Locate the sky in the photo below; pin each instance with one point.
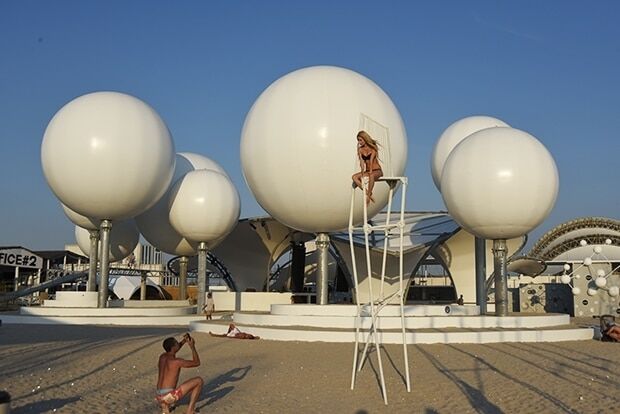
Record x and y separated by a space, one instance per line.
550 68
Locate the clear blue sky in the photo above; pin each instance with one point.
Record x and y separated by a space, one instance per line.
551 68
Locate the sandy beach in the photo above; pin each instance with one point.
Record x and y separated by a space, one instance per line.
76 369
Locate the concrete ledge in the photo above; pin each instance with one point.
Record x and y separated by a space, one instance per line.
148 303
411 322
475 337
390 310
73 300
106 312
181 321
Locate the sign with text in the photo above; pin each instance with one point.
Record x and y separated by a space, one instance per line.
20 258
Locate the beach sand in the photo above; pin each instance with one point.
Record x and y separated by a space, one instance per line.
85 369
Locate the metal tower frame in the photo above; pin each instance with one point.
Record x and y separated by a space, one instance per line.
377 305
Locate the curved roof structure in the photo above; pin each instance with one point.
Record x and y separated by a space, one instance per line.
563 241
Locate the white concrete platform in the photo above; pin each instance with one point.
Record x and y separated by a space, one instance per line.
180 321
558 334
424 324
106 312
389 310
411 322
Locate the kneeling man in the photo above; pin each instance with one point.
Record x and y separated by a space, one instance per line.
169 368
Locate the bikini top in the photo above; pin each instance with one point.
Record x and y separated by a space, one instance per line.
366 157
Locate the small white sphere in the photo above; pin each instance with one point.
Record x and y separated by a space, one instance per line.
299 147
600 273
576 291
107 155
204 206
614 291
565 279
499 183
124 237
597 249
587 261
80 220
592 291
154 224
566 266
608 241
583 243
453 135
577 276
600 282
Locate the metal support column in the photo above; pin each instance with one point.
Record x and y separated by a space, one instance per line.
91 286
322 245
183 263
202 277
501 282
142 285
105 228
481 274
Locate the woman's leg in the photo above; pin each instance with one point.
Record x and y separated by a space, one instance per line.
374 175
357 179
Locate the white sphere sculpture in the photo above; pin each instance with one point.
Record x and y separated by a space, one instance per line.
614 291
124 238
453 135
204 206
154 224
566 266
298 146
565 279
107 155
600 273
576 291
600 282
499 183
80 220
592 291
597 249
583 243
587 261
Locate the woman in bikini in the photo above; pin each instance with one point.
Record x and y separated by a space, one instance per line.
368 155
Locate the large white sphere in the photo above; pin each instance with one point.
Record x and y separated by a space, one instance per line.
124 238
614 291
565 279
453 135
499 183
299 148
80 220
154 224
107 155
600 282
204 206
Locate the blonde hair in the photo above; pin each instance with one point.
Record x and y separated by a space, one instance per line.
368 140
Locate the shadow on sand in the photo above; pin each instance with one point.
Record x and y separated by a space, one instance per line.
215 389
45 405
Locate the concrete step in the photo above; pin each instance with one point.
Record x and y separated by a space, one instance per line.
391 336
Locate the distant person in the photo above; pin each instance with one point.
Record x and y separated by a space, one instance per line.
169 368
613 332
610 331
460 301
234 332
209 307
368 156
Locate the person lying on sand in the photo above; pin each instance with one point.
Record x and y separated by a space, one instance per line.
169 368
613 332
234 332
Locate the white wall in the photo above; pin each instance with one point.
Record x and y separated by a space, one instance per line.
249 301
